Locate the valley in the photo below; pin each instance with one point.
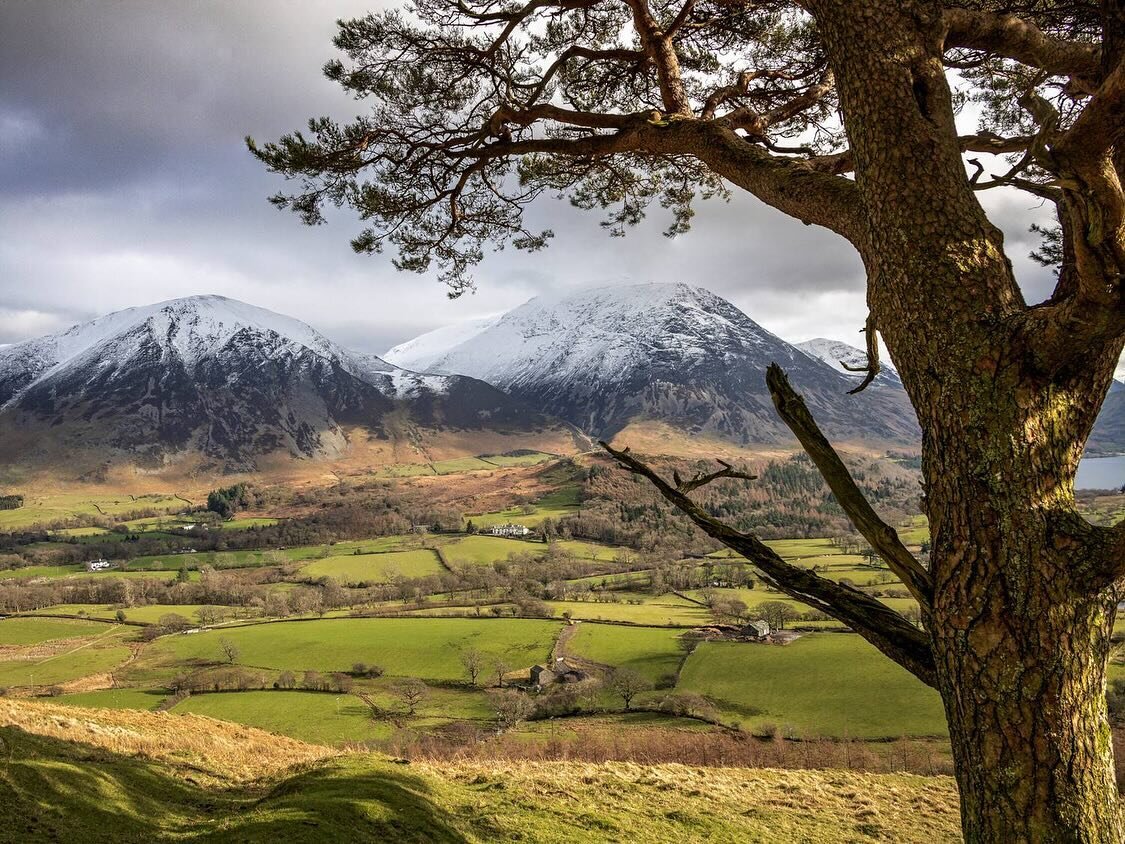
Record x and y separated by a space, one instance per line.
372 613
229 524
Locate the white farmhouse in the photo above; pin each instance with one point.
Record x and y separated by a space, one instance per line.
98 565
509 530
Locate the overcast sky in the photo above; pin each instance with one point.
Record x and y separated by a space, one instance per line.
124 180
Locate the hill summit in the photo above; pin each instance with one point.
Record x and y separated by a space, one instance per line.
606 357
214 376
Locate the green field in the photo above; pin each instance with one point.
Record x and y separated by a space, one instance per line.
555 505
533 459
82 531
28 572
375 568
62 668
755 597
486 550
311 716
594 551
404 647
149 614
80 571
61 507
915 531
651 651
823 684
32 631
248 522
115 699
657 610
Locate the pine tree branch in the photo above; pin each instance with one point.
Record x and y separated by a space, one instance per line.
878 533
1022 41
875 621
702 479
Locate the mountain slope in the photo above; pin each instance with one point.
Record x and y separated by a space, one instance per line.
604 358
836 354
1108 436
221 378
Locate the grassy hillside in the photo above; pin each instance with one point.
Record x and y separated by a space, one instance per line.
426 648
824 684
140 777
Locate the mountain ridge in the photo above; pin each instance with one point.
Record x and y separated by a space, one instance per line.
230 380
603 357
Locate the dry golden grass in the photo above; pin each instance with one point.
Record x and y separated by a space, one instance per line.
651 437
753 804
220 749
58 469
363 797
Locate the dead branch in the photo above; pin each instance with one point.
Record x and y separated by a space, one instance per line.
702 479
878 533
875 621
872 368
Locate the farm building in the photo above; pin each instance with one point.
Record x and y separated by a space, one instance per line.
98 565
560 671
757 629
509 530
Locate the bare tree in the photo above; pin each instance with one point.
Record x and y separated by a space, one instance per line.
627 684
776 613
511 707
500 667
411 692
479 108
231 651
473 662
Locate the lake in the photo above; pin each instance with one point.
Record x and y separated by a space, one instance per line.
1101 473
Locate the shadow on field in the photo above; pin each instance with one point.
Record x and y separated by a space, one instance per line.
52 790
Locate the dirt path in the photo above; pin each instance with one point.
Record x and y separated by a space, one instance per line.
560 652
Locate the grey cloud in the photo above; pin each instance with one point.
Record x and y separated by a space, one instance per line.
124 180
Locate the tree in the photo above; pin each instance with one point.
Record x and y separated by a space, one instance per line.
411 692
477 109
286 680
776 613
500 667
473 662
511 707
208 615
231 651
120 616
173 623
627 683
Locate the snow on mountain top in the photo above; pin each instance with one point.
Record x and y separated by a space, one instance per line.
192 328
836 353
603 330
420 352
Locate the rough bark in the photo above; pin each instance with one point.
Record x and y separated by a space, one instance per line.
1019 635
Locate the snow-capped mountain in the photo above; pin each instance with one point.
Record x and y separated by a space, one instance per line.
605 357
218 376
836 354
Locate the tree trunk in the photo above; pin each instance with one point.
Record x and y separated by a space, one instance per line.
1021 664
1020 638
1020 623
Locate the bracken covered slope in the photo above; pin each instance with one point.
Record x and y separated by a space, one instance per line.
101 776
